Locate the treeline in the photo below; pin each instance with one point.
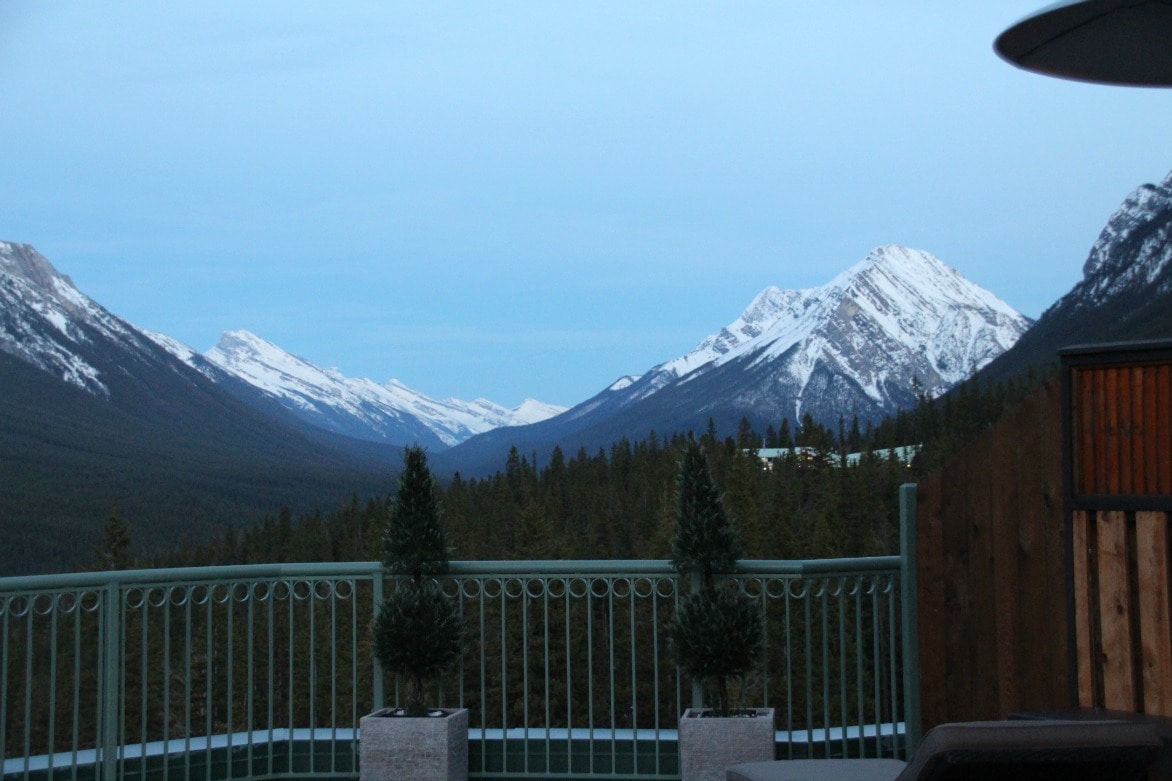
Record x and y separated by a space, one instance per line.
618 502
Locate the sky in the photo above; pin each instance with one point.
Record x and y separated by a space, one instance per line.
512 200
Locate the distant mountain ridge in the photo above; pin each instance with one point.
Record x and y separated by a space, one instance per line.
46 321
897 324
361 408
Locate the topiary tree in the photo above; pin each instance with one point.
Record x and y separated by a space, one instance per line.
418 632
717 630
413 537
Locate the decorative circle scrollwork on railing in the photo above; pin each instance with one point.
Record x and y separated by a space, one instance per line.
156 596
535 588
50 603
751 587
514 588
280 590
136 598
578 588
221 593
775 587
556 588
467 588
241 592
798 588
302 590
493 587
643 588
199 594
89 601
260 591
16 606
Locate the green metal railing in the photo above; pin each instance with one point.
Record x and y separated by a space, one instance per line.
264 671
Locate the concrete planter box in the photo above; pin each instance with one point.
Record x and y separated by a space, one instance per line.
404 748
708 745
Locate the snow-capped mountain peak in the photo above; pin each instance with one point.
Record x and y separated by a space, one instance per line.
892 326
896 317
360 407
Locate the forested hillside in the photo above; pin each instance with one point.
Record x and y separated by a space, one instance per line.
620 502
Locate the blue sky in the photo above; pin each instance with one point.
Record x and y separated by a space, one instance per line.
531 199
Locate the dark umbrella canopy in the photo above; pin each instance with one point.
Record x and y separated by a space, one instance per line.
1126 42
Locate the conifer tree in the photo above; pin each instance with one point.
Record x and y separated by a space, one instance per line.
413 539
717 631
116 538
705 540
418 631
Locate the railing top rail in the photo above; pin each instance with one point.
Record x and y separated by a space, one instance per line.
369 569
242 572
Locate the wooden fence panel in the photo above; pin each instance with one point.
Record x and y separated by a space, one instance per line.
1115 612
1083 630
1155 611
993 628
1045 549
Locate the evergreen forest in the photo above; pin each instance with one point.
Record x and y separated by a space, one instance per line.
618 503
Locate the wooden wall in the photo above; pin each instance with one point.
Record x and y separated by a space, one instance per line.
993 587
1013 615
1119 458
1123 617
1121 436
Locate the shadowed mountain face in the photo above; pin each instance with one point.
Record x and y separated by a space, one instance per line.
96 417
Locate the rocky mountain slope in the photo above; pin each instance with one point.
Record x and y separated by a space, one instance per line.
1125 293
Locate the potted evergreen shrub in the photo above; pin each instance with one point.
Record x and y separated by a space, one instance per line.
418 633
716 632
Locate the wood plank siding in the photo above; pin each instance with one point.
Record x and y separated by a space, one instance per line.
1044 549
1118 449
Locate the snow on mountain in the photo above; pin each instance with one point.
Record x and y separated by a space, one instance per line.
359 408
1125 294
899 315
49 323
1134 250
534 411
894 325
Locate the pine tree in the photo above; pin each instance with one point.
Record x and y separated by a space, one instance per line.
114 552
413 539
418 631
705 540
717 631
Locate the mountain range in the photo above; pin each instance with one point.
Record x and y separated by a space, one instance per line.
358 408
98 414
896 324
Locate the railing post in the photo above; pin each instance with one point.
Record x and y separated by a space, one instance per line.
910 615
111 692
697 684
377 677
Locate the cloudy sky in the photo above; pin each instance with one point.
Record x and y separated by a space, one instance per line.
531 199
